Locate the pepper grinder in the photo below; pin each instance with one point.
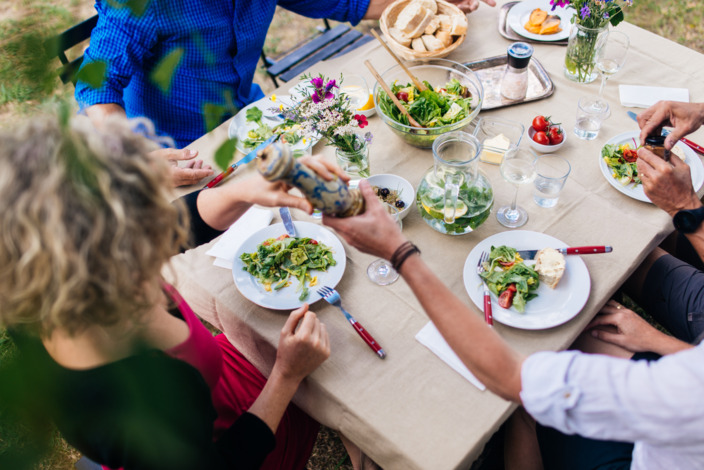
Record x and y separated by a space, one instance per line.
514 83
276 163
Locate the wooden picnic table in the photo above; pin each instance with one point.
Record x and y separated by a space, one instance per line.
411 410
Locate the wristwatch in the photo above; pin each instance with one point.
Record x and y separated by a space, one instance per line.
688 221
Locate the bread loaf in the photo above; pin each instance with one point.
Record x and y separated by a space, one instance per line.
417 45
413 19
459 25
432 43
550 266
400 37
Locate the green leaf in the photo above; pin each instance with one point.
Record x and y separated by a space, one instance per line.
164 72
213 113
225 153
616 17
93 73
138 7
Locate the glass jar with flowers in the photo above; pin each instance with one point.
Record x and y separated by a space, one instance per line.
589 26
326 112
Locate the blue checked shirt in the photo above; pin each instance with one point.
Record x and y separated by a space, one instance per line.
221 42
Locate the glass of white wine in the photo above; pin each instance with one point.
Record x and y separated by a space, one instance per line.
380 271
518 168
611 56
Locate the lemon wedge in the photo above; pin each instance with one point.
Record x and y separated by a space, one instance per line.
440 214
459 212
368 105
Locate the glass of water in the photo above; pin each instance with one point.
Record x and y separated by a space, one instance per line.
380 271
551 172
517 168
591 112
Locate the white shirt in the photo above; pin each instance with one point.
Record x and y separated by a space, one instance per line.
659 405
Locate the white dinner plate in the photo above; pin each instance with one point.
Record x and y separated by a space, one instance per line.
270 109
518 16
636 191
552 307
287 298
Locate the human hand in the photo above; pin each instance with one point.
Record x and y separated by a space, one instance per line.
191 173
684 117
667 184
469 6
257 190
374 231
623 327
304 344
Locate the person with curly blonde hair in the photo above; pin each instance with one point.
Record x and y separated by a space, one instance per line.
108 350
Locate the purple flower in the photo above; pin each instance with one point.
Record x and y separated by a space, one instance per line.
558 3
330 85
317 82
606 15
315 97
368 137
585 11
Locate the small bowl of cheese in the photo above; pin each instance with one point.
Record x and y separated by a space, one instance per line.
497 136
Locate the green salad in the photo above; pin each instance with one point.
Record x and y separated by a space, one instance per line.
289 132
278 259
430 108
508 277
621 160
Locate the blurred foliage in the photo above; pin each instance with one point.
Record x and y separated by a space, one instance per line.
164 72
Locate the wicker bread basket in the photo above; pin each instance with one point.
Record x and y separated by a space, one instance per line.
388 19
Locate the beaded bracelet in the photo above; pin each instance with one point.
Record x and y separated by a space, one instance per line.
402 253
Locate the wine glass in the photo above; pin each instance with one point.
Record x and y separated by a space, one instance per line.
380 271
611 56
517 167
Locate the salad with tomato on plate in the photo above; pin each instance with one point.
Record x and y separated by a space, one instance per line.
510 278
621 160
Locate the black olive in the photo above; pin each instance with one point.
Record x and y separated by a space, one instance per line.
383 192
400 204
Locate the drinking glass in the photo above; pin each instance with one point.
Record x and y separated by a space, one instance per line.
611 56
380 271
517 167
551 172
591 112
357 91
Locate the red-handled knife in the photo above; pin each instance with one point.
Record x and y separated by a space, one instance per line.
574 250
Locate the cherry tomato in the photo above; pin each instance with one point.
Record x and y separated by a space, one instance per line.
402 95
541 123
630 155
506 298
541 138
312 242
507 264
555 135
512 287
281 237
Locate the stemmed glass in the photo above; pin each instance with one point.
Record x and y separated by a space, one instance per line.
611 56
517 167
380 271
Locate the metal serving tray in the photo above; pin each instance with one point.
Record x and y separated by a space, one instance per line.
506 31
490 72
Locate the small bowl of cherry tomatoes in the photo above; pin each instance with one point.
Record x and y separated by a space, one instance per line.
546 136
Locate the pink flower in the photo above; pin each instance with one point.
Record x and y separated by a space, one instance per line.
361 120
317 82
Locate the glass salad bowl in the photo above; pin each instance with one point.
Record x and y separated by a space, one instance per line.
440 74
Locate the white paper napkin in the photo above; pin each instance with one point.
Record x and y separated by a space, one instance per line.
635 96
251 221
431 338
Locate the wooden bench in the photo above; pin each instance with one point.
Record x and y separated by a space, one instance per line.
330 43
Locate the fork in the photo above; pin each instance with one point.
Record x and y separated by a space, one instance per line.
488 317
333 297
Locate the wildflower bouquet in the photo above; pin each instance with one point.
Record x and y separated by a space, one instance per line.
594 13
590 24
325 112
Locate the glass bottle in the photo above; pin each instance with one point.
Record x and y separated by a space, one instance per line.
514 83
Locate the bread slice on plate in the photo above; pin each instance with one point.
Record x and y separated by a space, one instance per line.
550 266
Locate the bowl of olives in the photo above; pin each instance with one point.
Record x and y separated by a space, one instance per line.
395 191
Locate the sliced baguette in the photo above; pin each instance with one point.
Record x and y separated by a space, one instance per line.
432 43
400 37
429 4
459 25
413 20
444 37
433 25
445 23
550 266
417 45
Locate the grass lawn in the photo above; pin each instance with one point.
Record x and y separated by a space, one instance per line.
24 22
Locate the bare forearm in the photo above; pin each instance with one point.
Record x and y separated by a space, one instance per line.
376 7
664 344
221 207
275 397
481 349
98 112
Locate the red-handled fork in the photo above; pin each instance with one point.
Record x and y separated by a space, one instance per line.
333 298
488 317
